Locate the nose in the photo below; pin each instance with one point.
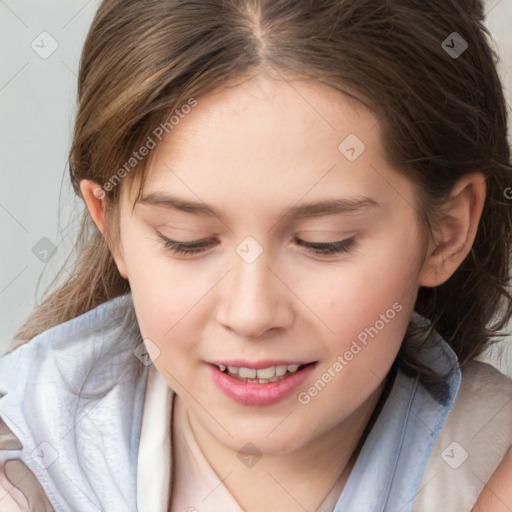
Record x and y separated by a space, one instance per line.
255 299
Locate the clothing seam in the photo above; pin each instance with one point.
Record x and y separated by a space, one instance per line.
171 450
138 444
395 464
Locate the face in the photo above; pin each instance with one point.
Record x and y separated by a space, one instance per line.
273 282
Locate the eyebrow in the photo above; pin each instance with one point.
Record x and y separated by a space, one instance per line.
305 210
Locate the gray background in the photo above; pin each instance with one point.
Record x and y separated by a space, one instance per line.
38 210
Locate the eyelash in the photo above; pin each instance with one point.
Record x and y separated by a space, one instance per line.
199 246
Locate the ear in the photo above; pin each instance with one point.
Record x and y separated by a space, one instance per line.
457 230
95 199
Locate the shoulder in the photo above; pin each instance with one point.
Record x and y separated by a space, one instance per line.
485 377
484 398
483 406
87 364
474 439
84 348
497 493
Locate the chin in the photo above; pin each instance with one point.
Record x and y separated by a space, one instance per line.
264 444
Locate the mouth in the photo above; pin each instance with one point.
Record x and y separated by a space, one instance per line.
266 375
265 385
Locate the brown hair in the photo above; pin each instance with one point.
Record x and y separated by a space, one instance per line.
442 117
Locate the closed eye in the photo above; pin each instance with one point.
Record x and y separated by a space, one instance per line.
200 246
329 247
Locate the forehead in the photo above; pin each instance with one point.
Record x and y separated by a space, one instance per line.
262 142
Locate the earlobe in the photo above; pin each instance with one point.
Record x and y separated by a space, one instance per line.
94 197
457 230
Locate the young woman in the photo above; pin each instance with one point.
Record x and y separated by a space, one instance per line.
296 242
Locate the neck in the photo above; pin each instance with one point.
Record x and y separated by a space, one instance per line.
299 480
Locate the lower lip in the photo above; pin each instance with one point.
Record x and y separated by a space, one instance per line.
252 393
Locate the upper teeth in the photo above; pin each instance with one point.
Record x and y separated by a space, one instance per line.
263 373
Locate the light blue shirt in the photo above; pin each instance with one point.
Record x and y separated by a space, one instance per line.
74 397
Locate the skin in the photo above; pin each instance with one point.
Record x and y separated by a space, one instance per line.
251 152
12 499
497 494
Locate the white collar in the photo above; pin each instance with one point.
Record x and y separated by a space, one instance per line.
154 458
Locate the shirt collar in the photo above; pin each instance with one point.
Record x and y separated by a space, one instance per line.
78 397
392 461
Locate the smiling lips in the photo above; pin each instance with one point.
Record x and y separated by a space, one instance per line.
261 375
259 386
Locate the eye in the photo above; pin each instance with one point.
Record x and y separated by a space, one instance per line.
194 247
199 246
329 247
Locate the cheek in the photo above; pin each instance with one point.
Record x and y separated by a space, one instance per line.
352 296
163 293
367 307
367 327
